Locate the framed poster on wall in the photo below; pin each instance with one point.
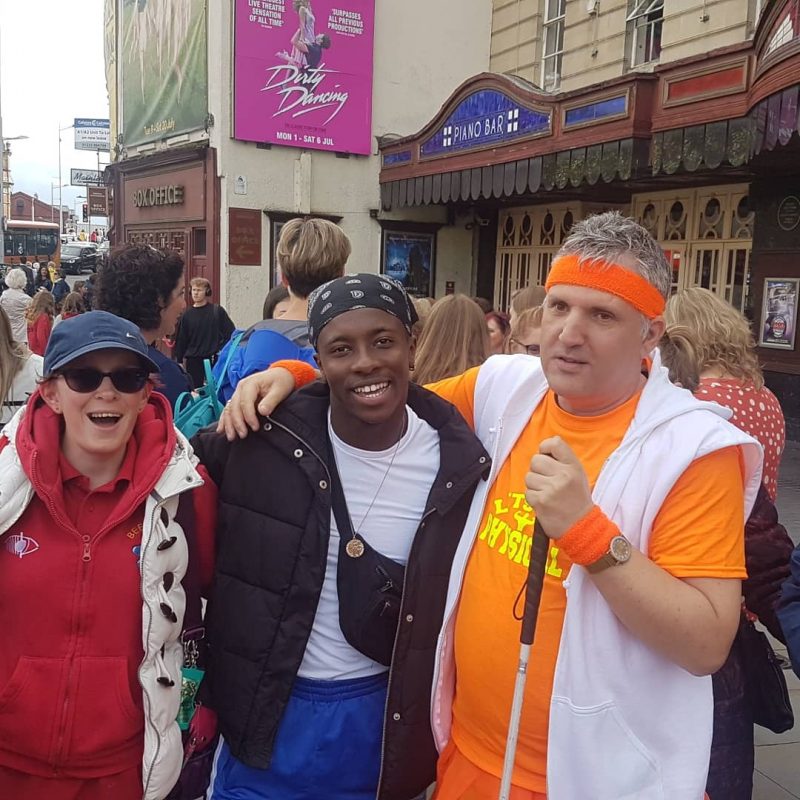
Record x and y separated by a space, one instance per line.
408 255
779 313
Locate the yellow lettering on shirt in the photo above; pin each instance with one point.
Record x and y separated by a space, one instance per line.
509 530
552 563
498 507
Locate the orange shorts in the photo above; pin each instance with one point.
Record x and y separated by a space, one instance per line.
457 778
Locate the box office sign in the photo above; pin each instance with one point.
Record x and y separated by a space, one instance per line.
169 195
97 198
303 76
244 236
179 194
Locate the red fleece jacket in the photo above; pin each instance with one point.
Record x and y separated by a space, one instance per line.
70 700
39 333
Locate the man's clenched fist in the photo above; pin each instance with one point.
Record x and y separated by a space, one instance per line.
557 487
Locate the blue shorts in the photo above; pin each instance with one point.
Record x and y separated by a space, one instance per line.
328 746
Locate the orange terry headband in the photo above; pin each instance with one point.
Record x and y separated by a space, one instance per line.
607 277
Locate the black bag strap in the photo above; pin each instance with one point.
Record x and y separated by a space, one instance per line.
340 511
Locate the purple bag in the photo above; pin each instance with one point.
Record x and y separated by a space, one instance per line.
196 772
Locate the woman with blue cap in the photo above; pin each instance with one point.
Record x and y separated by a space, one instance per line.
95 534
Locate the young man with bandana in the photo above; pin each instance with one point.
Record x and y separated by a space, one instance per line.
643 492
339 520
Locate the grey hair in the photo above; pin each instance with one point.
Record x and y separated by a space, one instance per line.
606 237
16 279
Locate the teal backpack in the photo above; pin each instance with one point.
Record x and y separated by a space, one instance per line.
201 408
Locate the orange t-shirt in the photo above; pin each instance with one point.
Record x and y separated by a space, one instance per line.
699 532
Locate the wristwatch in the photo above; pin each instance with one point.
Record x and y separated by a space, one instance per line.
619 551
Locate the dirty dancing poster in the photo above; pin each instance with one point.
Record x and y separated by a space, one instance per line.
303 73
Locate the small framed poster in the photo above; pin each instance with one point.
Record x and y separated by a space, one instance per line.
409 256
779 313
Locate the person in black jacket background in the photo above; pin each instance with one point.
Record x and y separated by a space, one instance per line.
202 330
30 277
338 523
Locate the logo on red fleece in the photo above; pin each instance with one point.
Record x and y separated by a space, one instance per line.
20 545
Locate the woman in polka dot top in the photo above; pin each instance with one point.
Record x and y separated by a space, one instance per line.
709 349
712 352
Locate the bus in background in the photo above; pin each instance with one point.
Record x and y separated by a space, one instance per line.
37 241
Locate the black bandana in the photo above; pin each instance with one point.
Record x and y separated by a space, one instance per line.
358 291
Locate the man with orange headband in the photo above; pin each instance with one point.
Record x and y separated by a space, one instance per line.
643 492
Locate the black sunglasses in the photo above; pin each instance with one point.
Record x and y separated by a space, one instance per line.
126 380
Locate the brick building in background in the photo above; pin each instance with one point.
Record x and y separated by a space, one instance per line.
22 204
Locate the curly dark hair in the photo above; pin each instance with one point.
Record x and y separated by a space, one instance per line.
137 283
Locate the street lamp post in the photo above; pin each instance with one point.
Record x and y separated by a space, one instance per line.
60 179
52 199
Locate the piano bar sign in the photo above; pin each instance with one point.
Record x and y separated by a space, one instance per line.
158 196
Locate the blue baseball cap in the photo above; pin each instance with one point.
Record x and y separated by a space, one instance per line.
94 330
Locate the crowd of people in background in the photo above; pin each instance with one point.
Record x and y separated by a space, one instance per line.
633 426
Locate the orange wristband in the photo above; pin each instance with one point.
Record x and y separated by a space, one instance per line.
301 372
589 538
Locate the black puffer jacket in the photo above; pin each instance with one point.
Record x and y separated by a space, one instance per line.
272 544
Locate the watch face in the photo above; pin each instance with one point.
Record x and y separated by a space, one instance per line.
620 549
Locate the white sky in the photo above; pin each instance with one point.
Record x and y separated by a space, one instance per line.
51 70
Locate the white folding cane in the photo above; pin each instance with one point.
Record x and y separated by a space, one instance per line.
533 595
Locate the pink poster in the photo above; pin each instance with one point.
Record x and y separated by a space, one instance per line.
303 73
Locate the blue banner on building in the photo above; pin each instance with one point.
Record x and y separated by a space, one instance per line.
485 119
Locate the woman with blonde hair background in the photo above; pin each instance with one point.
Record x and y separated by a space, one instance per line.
20 371
524 300
40 321
711 351
525 336
454 339
423 306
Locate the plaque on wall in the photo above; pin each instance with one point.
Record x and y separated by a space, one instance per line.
244 236
779 313
789 213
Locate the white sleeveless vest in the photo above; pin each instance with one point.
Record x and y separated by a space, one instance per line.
625 723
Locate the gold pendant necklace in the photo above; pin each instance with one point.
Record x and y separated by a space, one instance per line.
355 547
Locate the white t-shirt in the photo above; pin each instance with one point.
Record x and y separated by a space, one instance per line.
22 388
389 528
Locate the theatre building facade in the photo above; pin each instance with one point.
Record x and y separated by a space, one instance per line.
702 149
